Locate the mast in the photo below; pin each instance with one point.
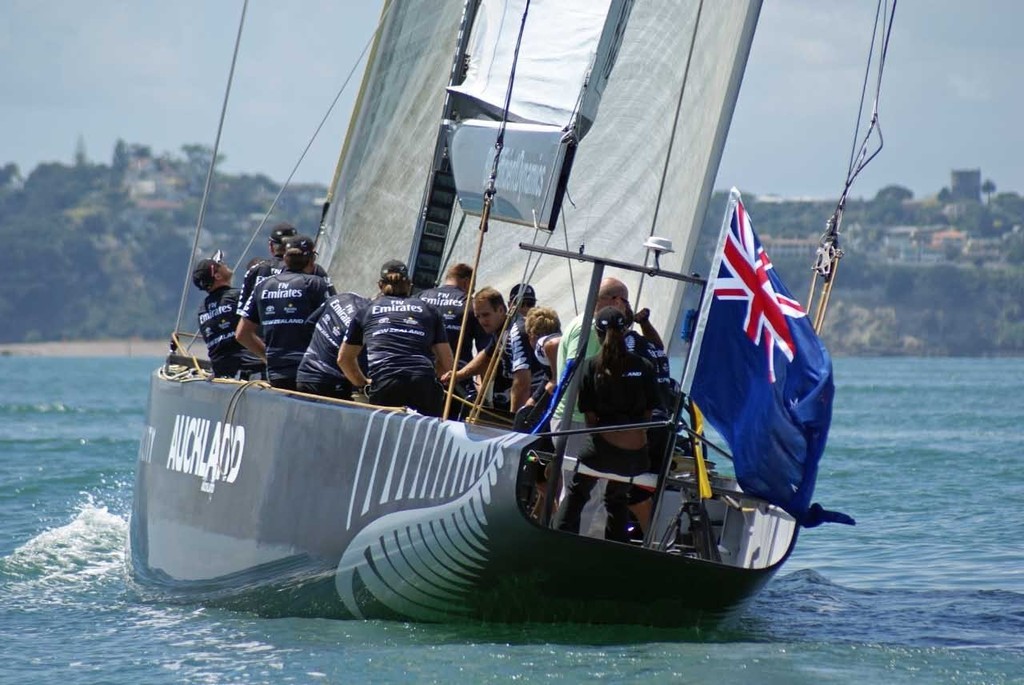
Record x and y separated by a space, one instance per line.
431 234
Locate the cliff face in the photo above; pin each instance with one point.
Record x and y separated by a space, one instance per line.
858 330
880 308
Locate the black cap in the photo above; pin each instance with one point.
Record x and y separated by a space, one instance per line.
281 231
609 318
529 295
393 266
299 244
202 274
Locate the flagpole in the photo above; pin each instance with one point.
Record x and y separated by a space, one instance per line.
706 296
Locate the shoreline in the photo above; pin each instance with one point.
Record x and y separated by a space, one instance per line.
159 348
87 348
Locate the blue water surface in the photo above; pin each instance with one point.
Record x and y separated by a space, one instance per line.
926 454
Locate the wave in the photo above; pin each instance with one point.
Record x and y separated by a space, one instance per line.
806 606
79 440
77 556
24 409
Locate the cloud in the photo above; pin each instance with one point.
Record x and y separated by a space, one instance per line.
155 72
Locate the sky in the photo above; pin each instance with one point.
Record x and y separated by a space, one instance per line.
154 73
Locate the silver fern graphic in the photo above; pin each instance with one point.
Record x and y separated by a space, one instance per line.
421 562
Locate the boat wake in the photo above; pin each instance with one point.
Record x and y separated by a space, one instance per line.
805 605
79 555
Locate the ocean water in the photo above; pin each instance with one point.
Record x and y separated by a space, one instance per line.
927 454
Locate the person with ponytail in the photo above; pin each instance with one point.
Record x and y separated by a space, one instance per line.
400 334
617 388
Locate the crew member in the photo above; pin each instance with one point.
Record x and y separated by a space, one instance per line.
524 302
218 317
262 269
543 330
318 371
403 336
519 372
648 344
283 304
617 388
611 293
450 300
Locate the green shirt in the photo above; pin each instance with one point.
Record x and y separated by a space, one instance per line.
567 350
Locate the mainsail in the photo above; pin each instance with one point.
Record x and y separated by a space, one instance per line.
376 191
666 107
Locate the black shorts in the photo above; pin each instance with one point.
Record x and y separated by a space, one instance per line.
599 454
283 383
422 393
338 389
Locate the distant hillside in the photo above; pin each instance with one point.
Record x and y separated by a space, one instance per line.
895 292
99 251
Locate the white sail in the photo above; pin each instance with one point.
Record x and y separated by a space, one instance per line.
565 44
561 65
376 192
615 183
617 175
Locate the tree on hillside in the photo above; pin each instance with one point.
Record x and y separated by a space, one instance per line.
894 194
988 187
120 160
197 165
80 157
888 208
1010 206
976 220
9 174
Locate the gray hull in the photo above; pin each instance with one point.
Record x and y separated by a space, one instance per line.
259 500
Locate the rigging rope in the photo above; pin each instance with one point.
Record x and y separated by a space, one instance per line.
671 142
829 251
499 143
565 234
209 172
489 191
285 185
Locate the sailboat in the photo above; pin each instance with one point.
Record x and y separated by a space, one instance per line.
613 116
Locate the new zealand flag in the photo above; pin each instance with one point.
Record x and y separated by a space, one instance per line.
763 378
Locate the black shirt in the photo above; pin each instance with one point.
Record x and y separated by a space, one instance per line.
640 345
264 269
397 333
320 362
621 400
450 301
218 317
283 305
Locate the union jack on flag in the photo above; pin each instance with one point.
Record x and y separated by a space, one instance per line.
773 413
767 308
